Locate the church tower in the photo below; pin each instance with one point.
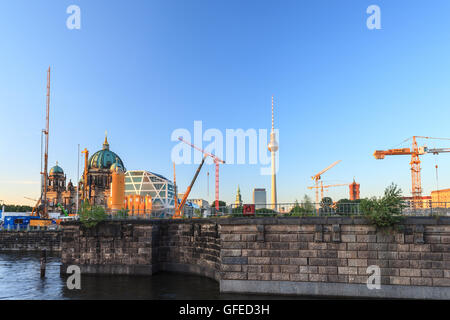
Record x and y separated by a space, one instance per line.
238 201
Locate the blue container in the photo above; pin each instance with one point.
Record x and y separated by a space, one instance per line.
11 222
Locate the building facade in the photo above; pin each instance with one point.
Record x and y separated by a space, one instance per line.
142 183
354 190
441 198
58 194
98 186
99 174
259 198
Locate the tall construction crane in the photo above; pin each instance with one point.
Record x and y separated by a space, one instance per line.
322 187
43 199
415 151
85 195
317 178
179 208
216 160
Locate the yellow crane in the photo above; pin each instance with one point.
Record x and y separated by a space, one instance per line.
179 208
322 187
318 176
415 151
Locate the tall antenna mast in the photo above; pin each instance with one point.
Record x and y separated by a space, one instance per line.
207 183
46 132
272 115
175 197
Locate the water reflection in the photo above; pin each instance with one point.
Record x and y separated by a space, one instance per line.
20 279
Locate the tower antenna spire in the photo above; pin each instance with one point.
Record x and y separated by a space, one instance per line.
46 132
272 115
273 148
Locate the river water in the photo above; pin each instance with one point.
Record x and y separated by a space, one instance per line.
20 280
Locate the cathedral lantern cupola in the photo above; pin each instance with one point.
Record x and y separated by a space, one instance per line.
56 179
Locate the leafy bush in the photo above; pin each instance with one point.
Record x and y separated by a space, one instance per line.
122 214
326 205
239 209
91 215
197 213
385 211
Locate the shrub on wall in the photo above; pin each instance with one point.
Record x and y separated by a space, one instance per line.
385 211
91 215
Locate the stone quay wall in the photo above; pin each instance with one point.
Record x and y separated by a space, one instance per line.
30 241
143 247
326 256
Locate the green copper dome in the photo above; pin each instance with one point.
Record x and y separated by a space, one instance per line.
56 169
116 167
104 159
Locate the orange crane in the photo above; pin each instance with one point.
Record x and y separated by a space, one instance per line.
179 208
217 161
415 151
322 187
85 194
317 178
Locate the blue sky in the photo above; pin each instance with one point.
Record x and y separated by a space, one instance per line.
141 69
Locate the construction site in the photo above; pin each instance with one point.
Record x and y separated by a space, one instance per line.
105 182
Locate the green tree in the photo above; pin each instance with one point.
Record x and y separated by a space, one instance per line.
221 203
91 215
122 214
16 208
325 205
296 209
384 212
307 204
239 209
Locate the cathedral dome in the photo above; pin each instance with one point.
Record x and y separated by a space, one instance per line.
104 159
55 170
116 166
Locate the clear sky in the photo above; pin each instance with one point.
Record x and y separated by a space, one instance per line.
141 69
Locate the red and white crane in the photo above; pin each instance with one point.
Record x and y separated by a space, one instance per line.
216 160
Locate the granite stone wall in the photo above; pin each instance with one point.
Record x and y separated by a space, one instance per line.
313 255
143 247
30 241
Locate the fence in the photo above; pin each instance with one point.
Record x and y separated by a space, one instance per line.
258 210
282 209
426 209
291 209
18 227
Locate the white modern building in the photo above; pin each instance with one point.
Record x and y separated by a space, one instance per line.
144 183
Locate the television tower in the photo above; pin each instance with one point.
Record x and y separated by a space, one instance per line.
273 147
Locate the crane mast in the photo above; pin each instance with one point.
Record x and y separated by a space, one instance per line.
415 151
318 176
216 160
179 208
46 132
322 187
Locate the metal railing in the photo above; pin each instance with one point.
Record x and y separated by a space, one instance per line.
426 209
290 209
278 210
17 228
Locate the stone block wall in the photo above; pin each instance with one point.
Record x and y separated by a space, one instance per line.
142 247
312 253
190 247
307 256
30 241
